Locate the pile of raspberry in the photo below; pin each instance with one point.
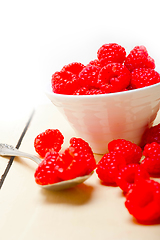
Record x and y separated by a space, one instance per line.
133 169
75 161
112 71
130 167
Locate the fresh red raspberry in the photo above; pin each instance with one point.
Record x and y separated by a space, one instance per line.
111 53
45 173
143 77
151 135
114 77
139 58
151 162
72 164
64 82
129 175
50 140
79 145
77 160
109 166
74 68
88 76
143 201
130 151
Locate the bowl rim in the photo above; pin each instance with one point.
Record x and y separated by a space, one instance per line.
48 91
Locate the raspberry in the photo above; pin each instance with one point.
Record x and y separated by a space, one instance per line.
151 162
72 164
151 135
88 76
79 145
74 68
109 166
77 160
50 140
143 77
46 173
64 82
143 201
139 58
111 53
129 175
130 151
114 77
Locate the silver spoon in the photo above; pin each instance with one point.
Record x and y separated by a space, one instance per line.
9 150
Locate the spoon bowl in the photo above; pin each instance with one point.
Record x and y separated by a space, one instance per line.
9 150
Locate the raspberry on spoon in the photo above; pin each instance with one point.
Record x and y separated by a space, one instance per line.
49 140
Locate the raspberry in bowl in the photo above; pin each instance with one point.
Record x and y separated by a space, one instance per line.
114 96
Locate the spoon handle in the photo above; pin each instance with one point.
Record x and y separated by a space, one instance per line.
9 150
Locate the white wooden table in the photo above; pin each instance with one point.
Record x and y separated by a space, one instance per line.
89 211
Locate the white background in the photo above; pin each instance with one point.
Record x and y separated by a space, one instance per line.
38 37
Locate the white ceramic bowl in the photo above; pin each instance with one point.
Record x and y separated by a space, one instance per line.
98 119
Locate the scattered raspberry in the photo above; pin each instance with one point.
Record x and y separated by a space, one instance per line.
114 77
74 68
151 135
50 140
139 58
129 175
79 145
151 162
64 82
111 53
109 166
72 164
143 77
77 160
130 151
143 201
46 173
89 76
